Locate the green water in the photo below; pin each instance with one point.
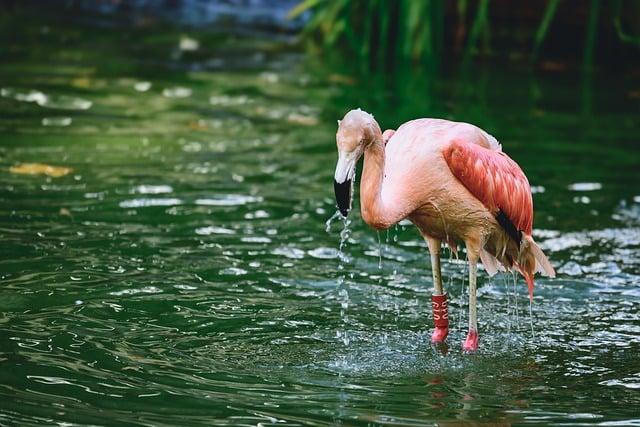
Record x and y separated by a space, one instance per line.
182 274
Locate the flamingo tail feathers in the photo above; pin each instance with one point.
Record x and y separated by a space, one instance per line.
543 265
528 277
491 263
532 260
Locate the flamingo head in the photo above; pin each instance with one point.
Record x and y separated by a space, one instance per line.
356 131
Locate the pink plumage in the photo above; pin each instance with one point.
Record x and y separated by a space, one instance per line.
453 181
494 179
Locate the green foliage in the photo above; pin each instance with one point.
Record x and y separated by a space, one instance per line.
384 32
378 31
622 33
545 23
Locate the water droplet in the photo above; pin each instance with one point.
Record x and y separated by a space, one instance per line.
335 215
379 251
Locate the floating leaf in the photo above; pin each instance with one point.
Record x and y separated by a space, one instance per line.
81 82
198 125
40 169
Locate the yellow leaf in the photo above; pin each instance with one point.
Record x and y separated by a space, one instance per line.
81 82
198 125
40 169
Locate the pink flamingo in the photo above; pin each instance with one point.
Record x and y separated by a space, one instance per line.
451 180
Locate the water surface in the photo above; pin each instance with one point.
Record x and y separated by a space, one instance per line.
182 274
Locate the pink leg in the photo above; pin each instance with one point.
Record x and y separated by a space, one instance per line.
439 298
440 318
470 345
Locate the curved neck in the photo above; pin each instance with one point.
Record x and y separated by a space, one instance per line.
371 206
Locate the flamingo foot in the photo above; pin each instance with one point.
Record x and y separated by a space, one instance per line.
440 318
439 335
470 345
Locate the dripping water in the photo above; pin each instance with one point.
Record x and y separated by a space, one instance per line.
449 285
533 333
515 297
508 295
344 237
343 295
345 233
327 224
379 251
343 289
462 299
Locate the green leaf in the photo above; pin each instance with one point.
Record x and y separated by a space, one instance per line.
302 7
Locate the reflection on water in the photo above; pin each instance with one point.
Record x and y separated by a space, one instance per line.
188 270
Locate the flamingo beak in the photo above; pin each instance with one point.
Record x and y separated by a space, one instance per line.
343 196
343 180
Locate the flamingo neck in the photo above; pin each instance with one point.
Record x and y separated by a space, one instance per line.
372 207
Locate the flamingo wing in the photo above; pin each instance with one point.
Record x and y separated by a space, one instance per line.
497 181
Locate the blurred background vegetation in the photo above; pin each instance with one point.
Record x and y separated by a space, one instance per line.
382 33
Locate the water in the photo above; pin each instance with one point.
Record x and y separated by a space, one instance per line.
181 273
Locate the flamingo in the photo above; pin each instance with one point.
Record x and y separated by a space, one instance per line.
455 184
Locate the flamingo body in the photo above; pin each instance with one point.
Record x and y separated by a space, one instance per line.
453 181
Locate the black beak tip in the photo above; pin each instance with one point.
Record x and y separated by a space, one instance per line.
343 196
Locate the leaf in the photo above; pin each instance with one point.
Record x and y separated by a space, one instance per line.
549 13
302 8
40 169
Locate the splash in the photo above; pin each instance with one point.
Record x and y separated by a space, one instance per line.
533 332
515 297
343 294
344 237
345 233
327 224
462 295
379 251
508 295
342 334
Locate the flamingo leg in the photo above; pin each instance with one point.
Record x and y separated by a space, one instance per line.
439 301
471 343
